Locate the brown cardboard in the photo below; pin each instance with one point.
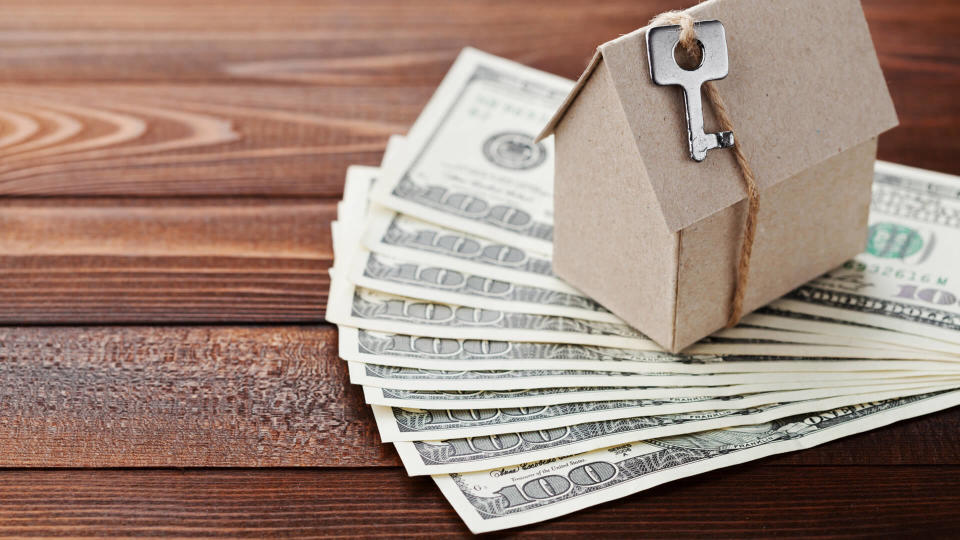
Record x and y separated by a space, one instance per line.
653 235
808 224
617 220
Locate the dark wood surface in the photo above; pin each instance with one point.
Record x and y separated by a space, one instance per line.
110 260
236 396
752 500
168 172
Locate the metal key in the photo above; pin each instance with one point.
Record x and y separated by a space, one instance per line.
664 70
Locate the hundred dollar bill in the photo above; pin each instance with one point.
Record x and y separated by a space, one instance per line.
353 210
540 397
336 233
909 278
358 307
389 349
432 379
506 449
400 235
345 231
414 424
412 278
364 308
802 322
471 162
404 236
522 494
356 189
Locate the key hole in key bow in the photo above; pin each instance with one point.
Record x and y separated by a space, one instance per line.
688 60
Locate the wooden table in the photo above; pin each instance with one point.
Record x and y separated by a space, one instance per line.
169 172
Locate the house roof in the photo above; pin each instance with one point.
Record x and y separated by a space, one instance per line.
804 85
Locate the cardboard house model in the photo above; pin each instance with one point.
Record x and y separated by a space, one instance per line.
655 236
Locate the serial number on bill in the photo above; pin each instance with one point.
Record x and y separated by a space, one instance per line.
896 272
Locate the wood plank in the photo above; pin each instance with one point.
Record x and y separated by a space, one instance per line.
374 42
161 140
180 396
340 43
753 500
164 260
255 396
277 100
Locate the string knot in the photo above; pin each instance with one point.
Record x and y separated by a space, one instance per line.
688 34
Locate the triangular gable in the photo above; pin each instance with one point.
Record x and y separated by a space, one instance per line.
567 101
804 85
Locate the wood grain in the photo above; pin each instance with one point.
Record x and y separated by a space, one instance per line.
122 139
180 396
757 500
255 396
177 162
278 98
164 260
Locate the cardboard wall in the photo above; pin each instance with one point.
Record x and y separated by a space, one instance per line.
807 225
610 239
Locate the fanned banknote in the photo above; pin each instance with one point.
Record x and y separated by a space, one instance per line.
415 424
471 160
389 349
769 317
413 278
434 379
400 235
540 397
505 449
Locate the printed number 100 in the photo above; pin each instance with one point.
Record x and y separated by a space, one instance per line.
548 487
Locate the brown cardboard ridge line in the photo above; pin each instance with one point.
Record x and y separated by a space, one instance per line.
582 80
574 92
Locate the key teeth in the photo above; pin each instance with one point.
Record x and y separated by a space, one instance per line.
725 139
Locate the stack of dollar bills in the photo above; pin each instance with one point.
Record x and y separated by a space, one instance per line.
525 399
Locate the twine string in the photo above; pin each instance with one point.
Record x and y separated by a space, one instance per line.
691 45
